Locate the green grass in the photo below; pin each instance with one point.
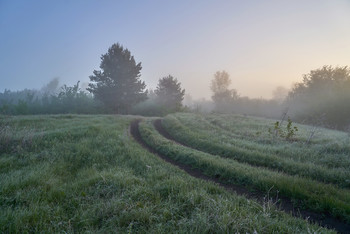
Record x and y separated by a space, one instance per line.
76 173
328 148
189 129
306 193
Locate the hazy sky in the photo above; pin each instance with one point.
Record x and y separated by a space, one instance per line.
262 44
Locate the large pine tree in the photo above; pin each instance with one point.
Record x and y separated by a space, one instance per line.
118 83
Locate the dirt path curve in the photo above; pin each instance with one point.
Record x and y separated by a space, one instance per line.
284 204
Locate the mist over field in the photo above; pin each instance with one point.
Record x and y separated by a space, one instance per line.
175 117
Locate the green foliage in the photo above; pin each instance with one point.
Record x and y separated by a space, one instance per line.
291 130
118 83
287 134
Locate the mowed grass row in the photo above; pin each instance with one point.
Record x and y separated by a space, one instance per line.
91 176
328 148
305 193
210 142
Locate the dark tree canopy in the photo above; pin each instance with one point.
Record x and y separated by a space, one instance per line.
169 93
323 92
323 81
118 83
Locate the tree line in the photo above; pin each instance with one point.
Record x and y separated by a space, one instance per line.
321 98
116 88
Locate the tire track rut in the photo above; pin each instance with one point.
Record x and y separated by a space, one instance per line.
283 203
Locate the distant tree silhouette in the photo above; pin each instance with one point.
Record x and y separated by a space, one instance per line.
118 83
220 86
169 93
280 93
51 87
323 92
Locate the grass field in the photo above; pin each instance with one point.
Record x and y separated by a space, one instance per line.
76 173
240 141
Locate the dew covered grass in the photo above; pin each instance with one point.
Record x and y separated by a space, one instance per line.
77 173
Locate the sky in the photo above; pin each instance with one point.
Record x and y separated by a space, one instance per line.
261 44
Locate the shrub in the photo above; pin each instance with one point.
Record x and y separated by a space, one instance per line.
287 134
